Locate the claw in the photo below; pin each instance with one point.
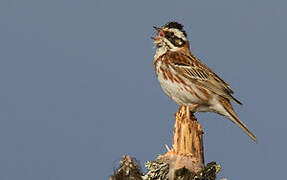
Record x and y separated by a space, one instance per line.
182 110
193 107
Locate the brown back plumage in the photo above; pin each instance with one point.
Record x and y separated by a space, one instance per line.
189 66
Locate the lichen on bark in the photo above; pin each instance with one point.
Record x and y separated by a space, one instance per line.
159 169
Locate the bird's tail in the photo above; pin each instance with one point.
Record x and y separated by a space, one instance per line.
230 114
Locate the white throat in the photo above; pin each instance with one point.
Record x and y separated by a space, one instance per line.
160 51
163 49
165 45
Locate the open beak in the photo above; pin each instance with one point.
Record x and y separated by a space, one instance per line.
157 28
158 31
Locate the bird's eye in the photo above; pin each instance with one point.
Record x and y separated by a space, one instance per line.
172 34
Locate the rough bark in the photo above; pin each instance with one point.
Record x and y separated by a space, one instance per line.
185 161
159 170
187 148
129 170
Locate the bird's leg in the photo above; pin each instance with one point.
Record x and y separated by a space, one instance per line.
188 112
183 109
193 107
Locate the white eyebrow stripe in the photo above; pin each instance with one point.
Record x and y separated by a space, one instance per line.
178 33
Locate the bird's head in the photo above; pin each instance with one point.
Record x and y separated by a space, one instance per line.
170 36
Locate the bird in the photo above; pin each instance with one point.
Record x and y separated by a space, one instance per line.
188 81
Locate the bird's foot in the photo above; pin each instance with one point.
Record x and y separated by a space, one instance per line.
187 110
182 111
190 110
193 107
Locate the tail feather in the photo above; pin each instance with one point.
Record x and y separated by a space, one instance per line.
230 114
236 100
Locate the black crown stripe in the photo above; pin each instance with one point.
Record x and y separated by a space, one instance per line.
175 25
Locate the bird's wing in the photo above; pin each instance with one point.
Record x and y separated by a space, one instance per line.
194 70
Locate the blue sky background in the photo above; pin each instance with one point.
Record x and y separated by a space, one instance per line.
78 89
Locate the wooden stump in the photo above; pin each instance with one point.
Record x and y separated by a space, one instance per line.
187 150
184 161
